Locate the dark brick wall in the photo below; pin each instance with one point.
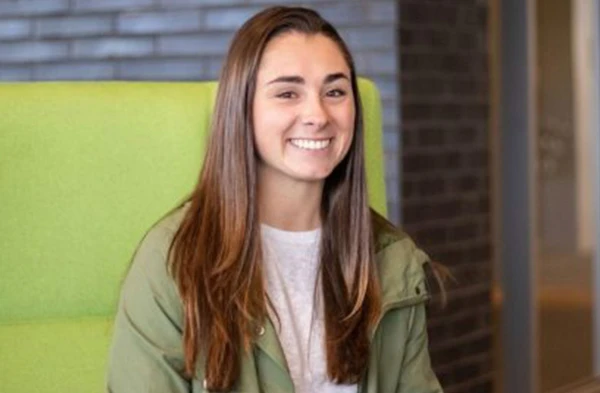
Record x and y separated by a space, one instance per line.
445 174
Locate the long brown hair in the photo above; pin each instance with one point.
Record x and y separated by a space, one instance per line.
215 256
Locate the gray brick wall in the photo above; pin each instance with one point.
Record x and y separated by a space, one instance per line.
31 8
183 40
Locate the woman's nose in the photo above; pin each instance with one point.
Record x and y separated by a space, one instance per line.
315 113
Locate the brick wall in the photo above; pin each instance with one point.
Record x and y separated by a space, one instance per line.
182 40
445 177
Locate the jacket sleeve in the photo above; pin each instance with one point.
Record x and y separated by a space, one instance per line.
146 353
417 376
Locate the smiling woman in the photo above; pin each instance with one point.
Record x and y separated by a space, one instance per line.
276 276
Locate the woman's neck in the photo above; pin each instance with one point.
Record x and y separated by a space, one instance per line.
289 204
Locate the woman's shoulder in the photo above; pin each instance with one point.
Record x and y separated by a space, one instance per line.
167 225
148 289
401 263
160 234
387 234
151 255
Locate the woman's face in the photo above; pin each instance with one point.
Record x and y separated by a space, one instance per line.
303 108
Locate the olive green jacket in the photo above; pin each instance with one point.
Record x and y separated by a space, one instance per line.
147 355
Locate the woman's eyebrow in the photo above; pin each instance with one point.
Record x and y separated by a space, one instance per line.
333 77
300 80
288 79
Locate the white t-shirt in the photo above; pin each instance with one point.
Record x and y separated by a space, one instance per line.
291 262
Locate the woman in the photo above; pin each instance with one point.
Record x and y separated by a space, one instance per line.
276 276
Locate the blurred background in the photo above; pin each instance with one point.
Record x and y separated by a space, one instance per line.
491 147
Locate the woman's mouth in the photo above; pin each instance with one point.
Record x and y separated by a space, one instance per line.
311 144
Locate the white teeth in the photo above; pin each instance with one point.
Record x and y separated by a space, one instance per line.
310 144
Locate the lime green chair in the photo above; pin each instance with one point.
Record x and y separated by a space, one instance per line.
85 170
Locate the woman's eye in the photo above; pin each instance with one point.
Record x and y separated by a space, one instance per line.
336 93
286 95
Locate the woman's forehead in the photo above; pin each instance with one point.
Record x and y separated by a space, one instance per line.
302 55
